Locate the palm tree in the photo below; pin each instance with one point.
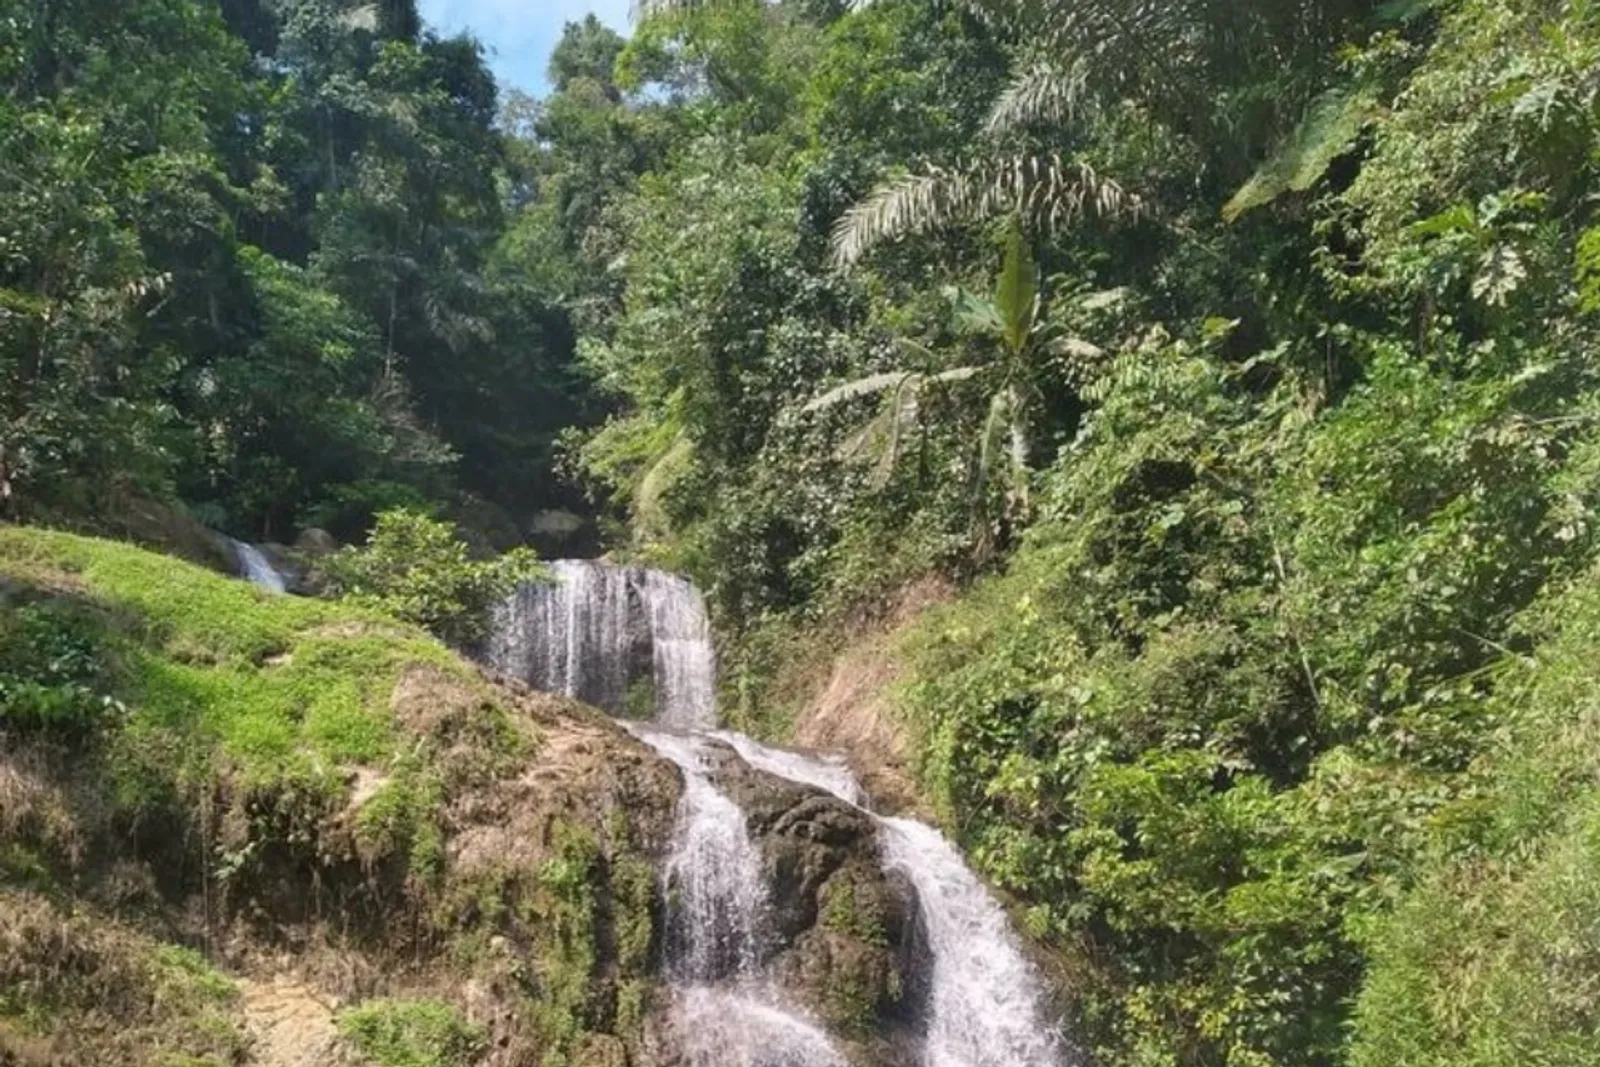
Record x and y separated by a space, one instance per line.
1170 55
1012 322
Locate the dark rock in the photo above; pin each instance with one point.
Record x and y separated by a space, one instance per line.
166 529
845 930
486 527
315 542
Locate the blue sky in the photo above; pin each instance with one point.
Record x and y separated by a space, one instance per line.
519 34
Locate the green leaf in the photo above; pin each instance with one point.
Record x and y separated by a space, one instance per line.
974 314
1017 291
1329 129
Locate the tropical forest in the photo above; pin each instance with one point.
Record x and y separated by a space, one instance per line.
833 533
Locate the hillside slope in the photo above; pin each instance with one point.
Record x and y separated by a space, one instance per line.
244 829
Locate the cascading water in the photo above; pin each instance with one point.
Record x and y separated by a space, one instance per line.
728 1015
597 632
723 1029
984 1008
984 1005
714 872
590 635
255 567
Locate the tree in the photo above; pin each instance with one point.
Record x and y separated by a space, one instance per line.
1012 324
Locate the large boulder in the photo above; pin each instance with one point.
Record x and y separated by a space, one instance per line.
166 529
845 932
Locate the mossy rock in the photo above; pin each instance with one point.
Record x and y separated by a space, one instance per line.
844 927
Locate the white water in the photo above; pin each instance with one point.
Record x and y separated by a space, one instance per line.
719 901
721 1029
984 998
713 874
827 773
984 1005
257 568
596 632
586 636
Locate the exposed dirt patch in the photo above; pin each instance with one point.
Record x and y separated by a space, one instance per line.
850 710
290 1025
365 783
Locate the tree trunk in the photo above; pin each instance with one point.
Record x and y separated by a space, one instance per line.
1020 448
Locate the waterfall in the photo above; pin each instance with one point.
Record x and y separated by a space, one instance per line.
721 1029
984 996
255 567
714 873
984 1008
594 633
625 639
714 932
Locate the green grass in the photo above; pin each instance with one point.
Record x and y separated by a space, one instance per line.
176 677
185 976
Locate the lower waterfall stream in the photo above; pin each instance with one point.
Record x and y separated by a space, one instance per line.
254 567
594 634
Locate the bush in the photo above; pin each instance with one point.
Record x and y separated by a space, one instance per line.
1491 958
420 571
50 672
411 1033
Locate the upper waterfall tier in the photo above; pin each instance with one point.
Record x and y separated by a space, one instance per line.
633 641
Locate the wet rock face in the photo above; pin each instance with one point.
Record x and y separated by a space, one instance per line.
844 932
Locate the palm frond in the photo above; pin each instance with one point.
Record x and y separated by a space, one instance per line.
1048 191
879 438
1043 93
874 383
664 472
878 383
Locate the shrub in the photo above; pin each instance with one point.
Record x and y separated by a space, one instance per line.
411 1033
419 570
50 672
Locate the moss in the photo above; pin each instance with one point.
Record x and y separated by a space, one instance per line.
203 686
844 912
240 721
412 1033
562 915
23 867
639 702
633 880
852 1001
401 819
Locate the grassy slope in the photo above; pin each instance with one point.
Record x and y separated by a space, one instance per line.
1493 958
185 760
